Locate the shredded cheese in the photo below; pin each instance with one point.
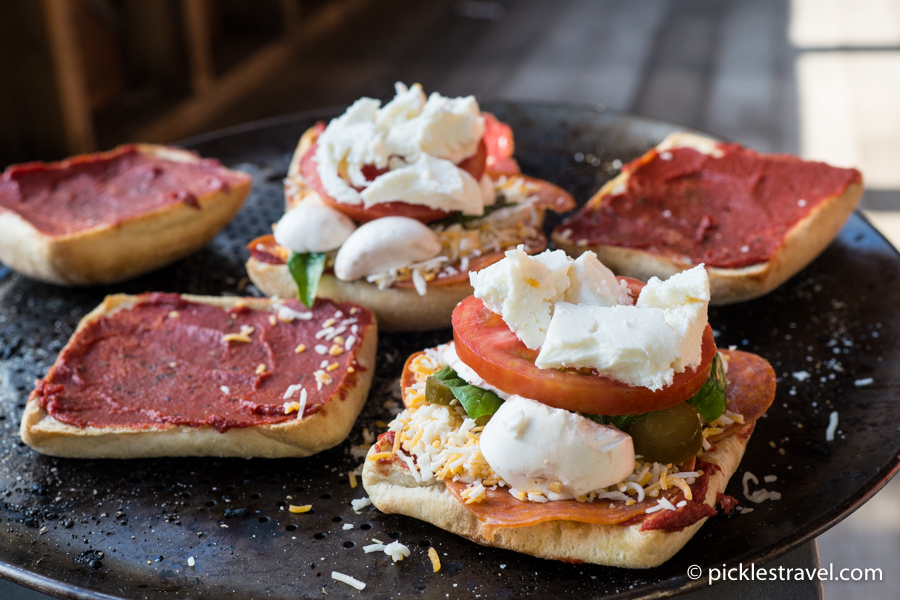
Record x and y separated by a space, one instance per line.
354 583
435 559
832 426
360 503
446 445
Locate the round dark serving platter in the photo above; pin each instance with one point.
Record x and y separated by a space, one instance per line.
105 528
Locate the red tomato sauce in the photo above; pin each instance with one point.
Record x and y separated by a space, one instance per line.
731 211
107 188
165 361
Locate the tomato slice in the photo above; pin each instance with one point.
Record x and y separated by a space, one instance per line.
498 137
485 343
474 165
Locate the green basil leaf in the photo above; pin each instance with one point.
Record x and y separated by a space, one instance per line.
617 421
711 400
448 377
478 403
306 269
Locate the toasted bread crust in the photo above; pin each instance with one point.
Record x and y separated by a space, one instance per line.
802 244
294 438
114 252
393 490
397 309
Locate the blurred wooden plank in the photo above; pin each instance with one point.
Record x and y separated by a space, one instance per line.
592 52
156 51
678 75
291 10
32 126
193 115
199 44
69 73
752 96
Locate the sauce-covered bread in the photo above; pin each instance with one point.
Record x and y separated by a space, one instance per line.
752 219
105 217
606 438
391 206
169 375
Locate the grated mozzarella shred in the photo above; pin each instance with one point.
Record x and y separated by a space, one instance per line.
360 503
832 426
760 495
438 442
354 583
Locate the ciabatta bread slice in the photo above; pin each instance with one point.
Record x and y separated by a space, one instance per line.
106 247
329 414
800 243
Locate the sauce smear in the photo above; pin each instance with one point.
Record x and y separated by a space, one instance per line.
729 211
167 360
107 188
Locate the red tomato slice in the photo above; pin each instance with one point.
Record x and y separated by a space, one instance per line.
485 343
474 165
498 137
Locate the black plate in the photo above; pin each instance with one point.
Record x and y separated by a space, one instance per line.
835 320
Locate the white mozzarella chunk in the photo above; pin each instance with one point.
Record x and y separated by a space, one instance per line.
591 282
467 373
558 264
451 128
537 448
399 136
628 344
312 226
428 181
684 297
384 244
520 289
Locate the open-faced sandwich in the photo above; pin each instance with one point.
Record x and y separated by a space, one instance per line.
753 219
101 218
169 375
391 206
575 416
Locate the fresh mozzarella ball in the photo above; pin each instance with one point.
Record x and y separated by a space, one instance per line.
313 227
385 244
561 454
